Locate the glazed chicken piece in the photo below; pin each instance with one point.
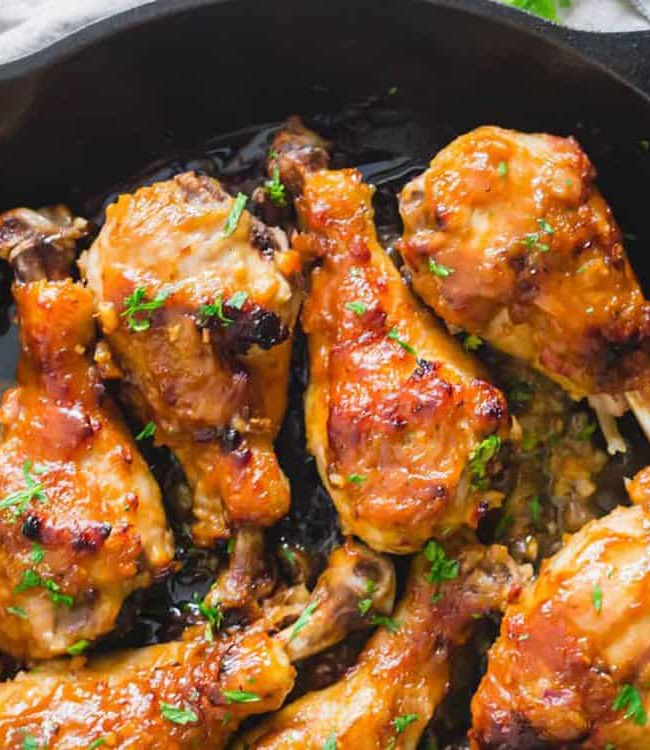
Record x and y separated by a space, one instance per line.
507 237
388 698
81 519
570 668
400 421
193 693
197 300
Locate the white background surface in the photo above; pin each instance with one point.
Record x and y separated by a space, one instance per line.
27 25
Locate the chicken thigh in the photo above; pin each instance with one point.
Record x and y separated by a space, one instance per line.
507 236
570 668
197 299
388 698
81 518
192 693
401 420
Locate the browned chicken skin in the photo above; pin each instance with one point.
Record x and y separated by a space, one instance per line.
395 408
209 363
570 668
81 518
507 236
190 694
388 698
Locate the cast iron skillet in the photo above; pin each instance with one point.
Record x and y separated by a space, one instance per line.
393 80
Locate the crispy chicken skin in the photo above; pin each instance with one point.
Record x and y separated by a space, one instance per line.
394 407
533 256
168 696
403 670
213 379
193 693
81 519
571 663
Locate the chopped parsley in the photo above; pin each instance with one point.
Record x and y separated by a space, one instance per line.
502 169
330 742
437 269
288 555
138 309
215 310
535 507
31 579
274 187
235 214
442 568
213 615
38 553
393 334
387 622
149 430
78 648
240 696
597 598
358 308
305 617
364 606
18 612
237 301
480 457
401 722
177 715
29 742
628 698
230 546
96 743
472 342
545 226
584 433
531 241
18 501
356 478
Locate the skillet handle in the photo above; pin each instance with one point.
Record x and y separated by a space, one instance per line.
625 53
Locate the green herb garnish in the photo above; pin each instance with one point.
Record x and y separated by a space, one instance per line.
149 430
393 334
330 742
439 270
18 612
597 598
442 567
237 301
629 698
137 304
401 722
303 620
240 696
387 622
177 715
535 508
215 310
78 648
213 615
31 579
502 169
358 308
33 490
356 478
480 457
472 342
235 213
364 606
274 187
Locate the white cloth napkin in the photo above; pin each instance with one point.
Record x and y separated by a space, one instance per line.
29 25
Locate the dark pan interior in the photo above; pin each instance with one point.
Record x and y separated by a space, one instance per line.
392 82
